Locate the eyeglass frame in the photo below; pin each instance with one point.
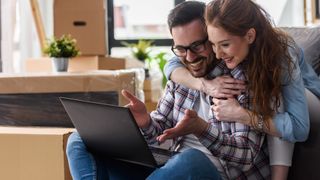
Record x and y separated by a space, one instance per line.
191 47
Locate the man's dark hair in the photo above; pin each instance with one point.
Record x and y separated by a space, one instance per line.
186 12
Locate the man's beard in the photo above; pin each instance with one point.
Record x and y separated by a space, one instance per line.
208 66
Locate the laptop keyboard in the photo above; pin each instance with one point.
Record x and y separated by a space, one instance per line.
161 155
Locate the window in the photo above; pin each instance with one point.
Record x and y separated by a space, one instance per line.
140 19
316 9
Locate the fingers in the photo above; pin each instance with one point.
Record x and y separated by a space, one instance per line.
216 101
180 128
224 95
233 86
231 92
190 113
167 134
230 80
130 97
223 87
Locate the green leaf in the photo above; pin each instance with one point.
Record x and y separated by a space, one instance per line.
140 50
65 46
161 60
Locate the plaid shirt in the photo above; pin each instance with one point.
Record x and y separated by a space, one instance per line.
241 150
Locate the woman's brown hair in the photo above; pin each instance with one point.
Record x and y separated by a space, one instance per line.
268 54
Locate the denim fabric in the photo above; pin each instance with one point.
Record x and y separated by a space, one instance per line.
190 164
171 65
81 163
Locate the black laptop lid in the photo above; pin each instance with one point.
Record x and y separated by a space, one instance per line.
109 131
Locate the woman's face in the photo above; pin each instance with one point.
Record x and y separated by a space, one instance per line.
230 48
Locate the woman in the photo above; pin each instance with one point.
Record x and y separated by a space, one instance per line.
241 34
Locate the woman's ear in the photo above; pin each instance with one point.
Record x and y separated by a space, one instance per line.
251 35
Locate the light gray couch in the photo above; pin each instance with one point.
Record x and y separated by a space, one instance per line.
306 156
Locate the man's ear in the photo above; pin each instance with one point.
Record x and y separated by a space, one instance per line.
251 35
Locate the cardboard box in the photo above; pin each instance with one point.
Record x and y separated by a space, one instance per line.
152 88
152 83
151 106
33 99
85 21
34 153
152 95
84 63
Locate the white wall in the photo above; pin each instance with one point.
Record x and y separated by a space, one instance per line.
284 12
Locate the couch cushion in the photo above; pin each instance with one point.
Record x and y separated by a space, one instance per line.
309 40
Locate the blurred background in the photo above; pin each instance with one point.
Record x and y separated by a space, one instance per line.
125 21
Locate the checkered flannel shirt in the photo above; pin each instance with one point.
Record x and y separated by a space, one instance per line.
241 150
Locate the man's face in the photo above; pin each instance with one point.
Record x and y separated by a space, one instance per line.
198 59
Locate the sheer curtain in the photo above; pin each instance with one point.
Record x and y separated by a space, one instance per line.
8 20
19 36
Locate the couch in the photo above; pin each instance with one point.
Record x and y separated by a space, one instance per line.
306 156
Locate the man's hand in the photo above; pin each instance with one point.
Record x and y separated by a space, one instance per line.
229 110
222 87
138 109
190 124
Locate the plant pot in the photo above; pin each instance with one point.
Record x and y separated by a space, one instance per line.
60 64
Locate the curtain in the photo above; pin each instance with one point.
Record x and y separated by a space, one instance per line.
8 20
19 36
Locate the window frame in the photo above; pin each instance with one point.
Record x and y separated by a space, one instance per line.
112 42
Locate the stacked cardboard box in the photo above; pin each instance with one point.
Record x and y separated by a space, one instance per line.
33 98
84 63
152 91
85 21
34 153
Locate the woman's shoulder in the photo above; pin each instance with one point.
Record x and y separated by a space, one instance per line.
295 51
292 71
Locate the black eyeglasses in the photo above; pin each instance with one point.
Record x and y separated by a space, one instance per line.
196 47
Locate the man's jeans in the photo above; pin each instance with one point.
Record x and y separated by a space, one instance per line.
190 164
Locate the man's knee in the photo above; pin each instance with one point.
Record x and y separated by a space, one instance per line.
189 164
193 157
74 143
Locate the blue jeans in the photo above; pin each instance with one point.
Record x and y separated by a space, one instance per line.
189 164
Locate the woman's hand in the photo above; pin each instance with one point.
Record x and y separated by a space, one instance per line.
138 109
222 87
229 110
190 124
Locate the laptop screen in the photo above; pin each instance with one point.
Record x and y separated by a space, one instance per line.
109 131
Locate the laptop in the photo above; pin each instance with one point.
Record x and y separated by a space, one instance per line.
111 131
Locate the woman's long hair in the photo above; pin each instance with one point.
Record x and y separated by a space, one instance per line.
267 55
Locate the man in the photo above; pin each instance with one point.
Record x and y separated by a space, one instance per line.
206 145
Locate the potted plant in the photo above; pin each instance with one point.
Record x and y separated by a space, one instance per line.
141 49
61 50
